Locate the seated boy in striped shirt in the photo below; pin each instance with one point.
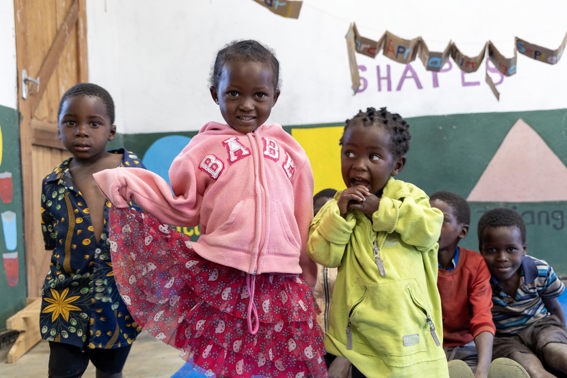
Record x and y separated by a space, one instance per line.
530 323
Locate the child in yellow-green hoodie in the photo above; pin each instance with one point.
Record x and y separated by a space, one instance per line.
382 234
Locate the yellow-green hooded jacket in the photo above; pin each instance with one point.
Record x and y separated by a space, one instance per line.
385 314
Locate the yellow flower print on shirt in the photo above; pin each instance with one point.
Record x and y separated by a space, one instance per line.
60 305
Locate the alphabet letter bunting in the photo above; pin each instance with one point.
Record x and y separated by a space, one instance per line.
406 50
287 8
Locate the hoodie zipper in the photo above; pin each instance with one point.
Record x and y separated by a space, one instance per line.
260 197
428 319
348 328
327 297
378 259
382 270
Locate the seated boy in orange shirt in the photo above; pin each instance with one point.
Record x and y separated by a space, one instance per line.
466 297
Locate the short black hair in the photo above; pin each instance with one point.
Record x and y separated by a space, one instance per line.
250 50
392 122
89 89
459 205
328 192
501 217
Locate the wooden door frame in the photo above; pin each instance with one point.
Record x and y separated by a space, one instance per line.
40 136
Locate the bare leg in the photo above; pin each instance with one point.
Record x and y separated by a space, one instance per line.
340 368
532 364
555 355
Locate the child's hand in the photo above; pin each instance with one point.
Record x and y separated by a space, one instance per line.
358 197
369 206
354 194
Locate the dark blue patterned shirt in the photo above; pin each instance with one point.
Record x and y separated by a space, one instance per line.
80 305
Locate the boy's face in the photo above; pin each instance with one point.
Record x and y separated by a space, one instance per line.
452 231
503 250
85 127
366 157
245 94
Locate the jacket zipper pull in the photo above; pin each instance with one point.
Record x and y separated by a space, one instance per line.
432 330
379 262
349 336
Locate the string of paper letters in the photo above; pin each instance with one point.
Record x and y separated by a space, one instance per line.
287 8
405 51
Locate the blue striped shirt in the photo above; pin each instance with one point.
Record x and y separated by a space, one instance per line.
537 281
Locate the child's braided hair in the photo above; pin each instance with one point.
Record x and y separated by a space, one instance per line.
393 122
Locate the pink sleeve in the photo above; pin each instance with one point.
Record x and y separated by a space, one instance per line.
152 193
303 188
303 193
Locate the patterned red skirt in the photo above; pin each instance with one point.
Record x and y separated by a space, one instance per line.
208 310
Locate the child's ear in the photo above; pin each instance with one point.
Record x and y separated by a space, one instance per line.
112 132
464 231
398 166
214 94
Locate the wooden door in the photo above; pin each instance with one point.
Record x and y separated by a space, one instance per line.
51 49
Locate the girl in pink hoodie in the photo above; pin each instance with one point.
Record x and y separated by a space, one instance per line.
237 301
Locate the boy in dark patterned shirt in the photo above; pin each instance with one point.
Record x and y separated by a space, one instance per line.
82 314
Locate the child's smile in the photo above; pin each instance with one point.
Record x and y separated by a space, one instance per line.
503 250
246 93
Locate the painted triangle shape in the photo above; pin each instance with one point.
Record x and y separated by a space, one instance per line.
523 169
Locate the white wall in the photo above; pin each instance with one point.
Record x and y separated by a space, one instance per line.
8 74
155 57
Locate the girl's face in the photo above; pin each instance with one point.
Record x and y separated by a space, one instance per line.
366 157
503 250
85 127
246 94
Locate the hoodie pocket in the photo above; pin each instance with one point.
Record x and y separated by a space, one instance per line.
389 321
283 227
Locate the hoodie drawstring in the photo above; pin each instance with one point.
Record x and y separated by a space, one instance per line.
252 310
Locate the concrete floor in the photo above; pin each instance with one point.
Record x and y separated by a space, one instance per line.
148 358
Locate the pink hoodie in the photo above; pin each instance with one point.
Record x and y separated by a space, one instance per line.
251 195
